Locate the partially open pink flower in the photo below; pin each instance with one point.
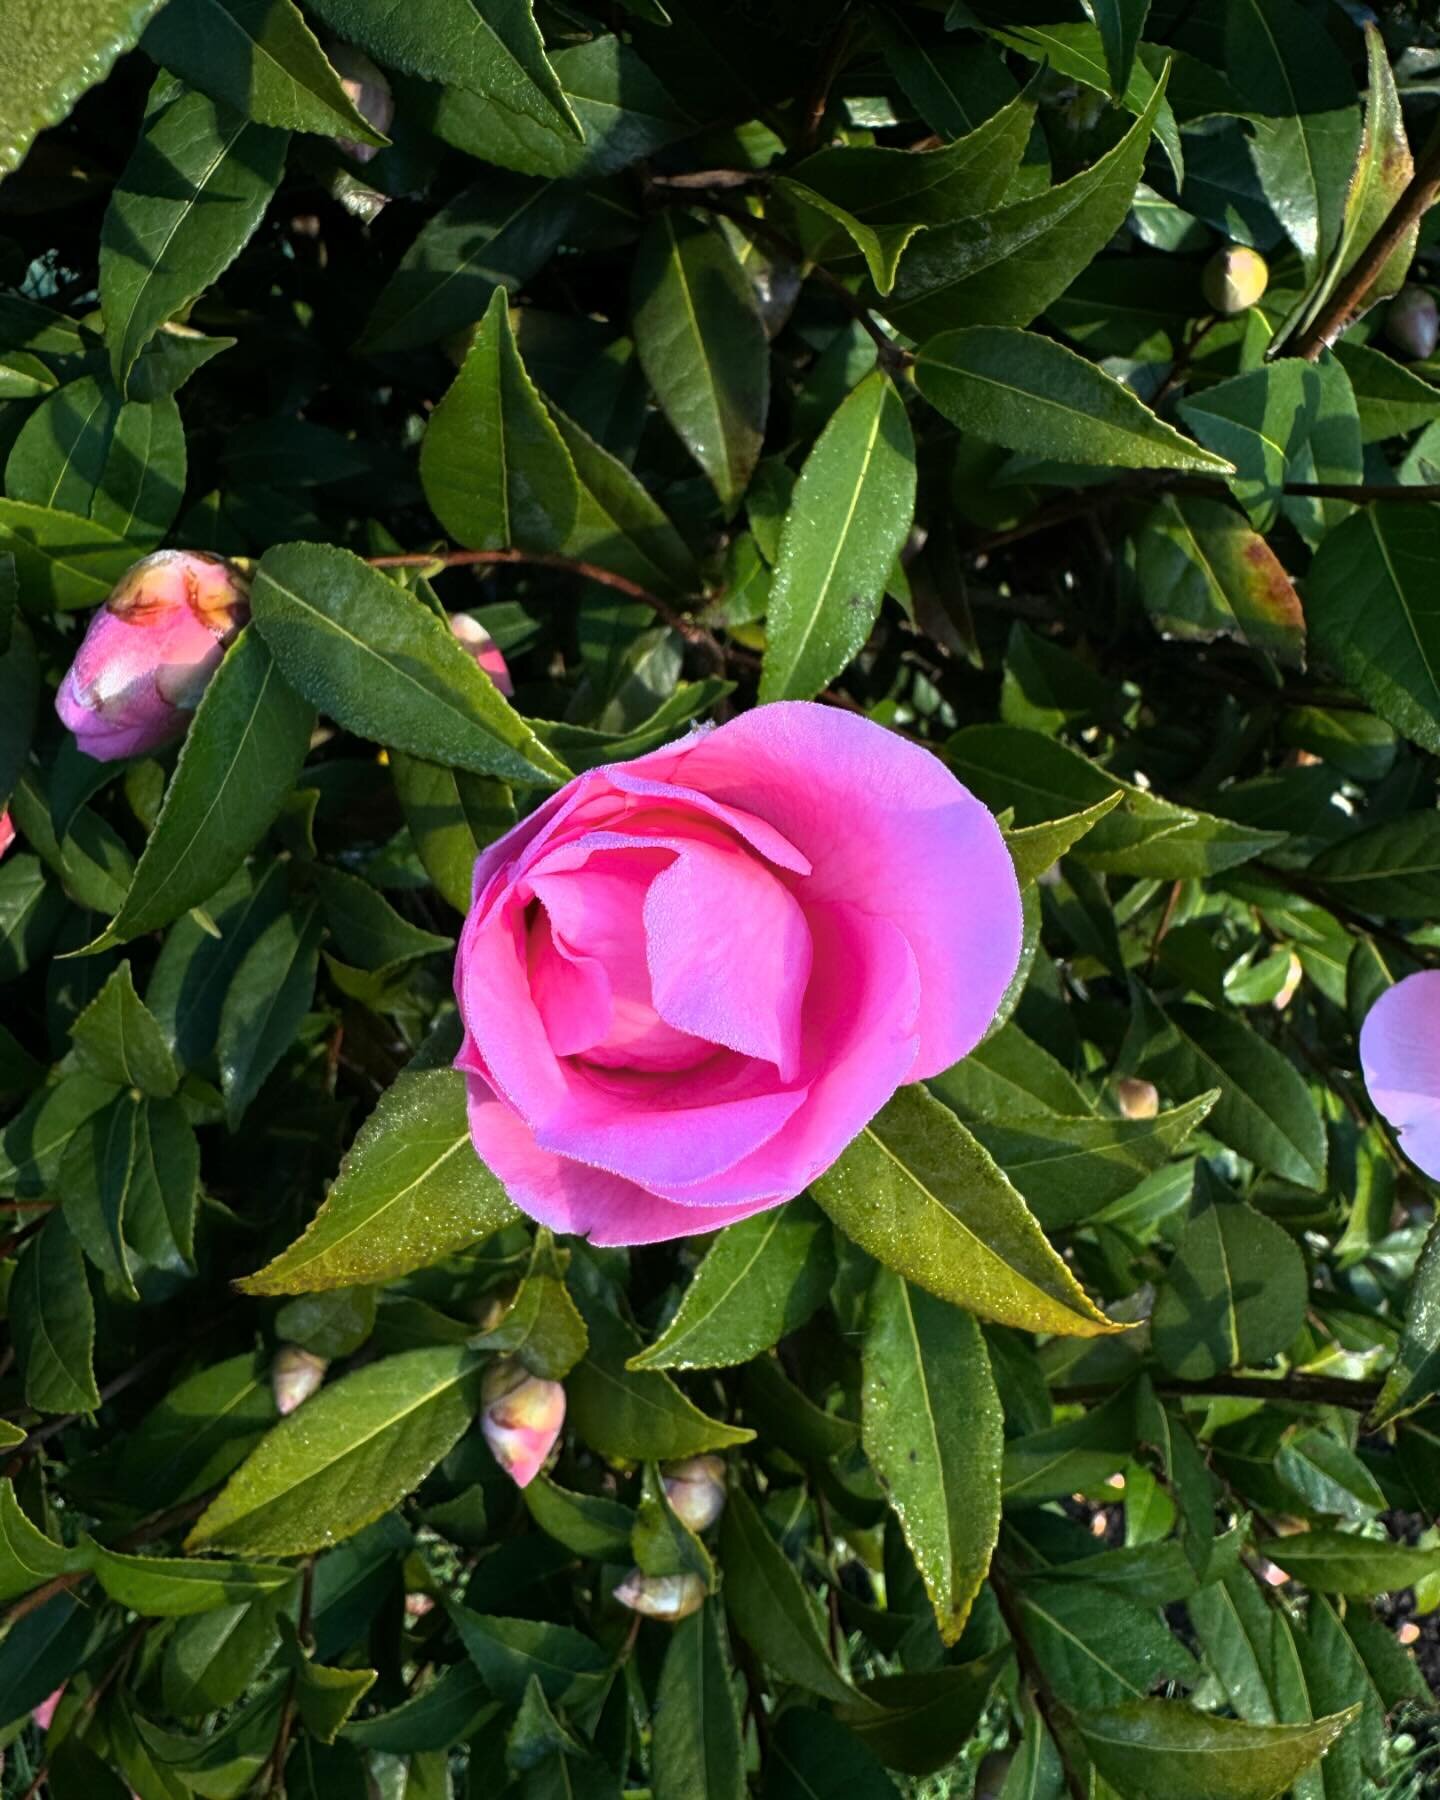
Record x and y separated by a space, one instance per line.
149 652
478 641
370 94
7 832
1400 1054
521 1418
688 981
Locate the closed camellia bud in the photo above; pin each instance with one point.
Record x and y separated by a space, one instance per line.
149 653
478 641
295 1374
1235 278
370 94
696 1490
668 1597
1138 1099
1412 322
522 1418
7 832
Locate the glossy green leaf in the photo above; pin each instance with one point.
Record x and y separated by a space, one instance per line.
509 1653
813 1757
117 1039
52 1321
848 516
933 1431
63 561
589 1524
1029 393
1391 399
272 991
703 347
919 1722
1233 1296
1098 1647
27 1556
379 662
1164 1750
129 1180
920 1194
541 1326
346 1457
761 1278
452 815
698 1749
1205 573
1390 870
1414 1376
183 208
159 1587
1343 1562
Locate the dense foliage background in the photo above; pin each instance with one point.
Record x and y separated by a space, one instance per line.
751 350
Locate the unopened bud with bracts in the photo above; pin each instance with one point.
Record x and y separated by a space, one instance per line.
295 1375
150 652
521 1418
1412 322
369 93
668 1597
695 1489
1234 279
478 641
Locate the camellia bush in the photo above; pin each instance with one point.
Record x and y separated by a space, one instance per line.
720 907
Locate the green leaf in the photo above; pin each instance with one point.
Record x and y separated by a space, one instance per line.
324 1697
24 377
452 815
589 1524
1391 399
380 663
184 207
271 993
934 1433
919 1193
1234 1295
495 51
541 1326
761 1279
1096 1646
64 562
848 517
1036 848
770 1606
920 1722
489 238
410 1191
664 1544
240 758
702 346
51 54
354 1449
118 1039
447 1709
366 927
1121 24
1414 1376
1029 393
1265 1111
160 1587
130 1177
1007 1077
118 462
1164 1750
820 223
260 58
1204 573
698 1751
52 1322
1343 1562
813 1757
27 1556
1374 615
33 1143
1006 268
510 1653
1390 870
638 1415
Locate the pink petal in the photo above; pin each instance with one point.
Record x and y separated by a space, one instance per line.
1400 1055
7 832
889 830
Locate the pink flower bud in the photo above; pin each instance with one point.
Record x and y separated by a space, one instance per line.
370 94
7 832
669 1597
1412 322
695 1489
478 641
521 1419
150 651
1138 1099
45 1711
295 1374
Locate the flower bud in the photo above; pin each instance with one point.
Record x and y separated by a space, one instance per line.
7 832
295 1374
478 641
370 94
695 1489
1412 322
149 652
1138 1099
1234 279
668 1597
521 1419
45 1711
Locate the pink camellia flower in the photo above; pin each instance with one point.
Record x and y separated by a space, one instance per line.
521 1416
1400 1054
150 651
688 981
478 641
7 832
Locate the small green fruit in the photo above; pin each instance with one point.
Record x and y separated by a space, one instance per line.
1234 279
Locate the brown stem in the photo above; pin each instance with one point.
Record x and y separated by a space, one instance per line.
1034 1676
461 559
1417 197
1319 1390
147 1529
830 67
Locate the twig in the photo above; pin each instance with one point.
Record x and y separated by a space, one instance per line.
142 1534
1180 368
275 1762
460 559
1319 1390
1417 197
1034 1675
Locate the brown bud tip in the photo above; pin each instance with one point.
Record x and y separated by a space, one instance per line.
668 1597
1138 1099
1235 278
294 1376
695 1489
1412 322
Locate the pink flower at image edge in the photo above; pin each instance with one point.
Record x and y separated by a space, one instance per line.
1400 1056
7 832
688 981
